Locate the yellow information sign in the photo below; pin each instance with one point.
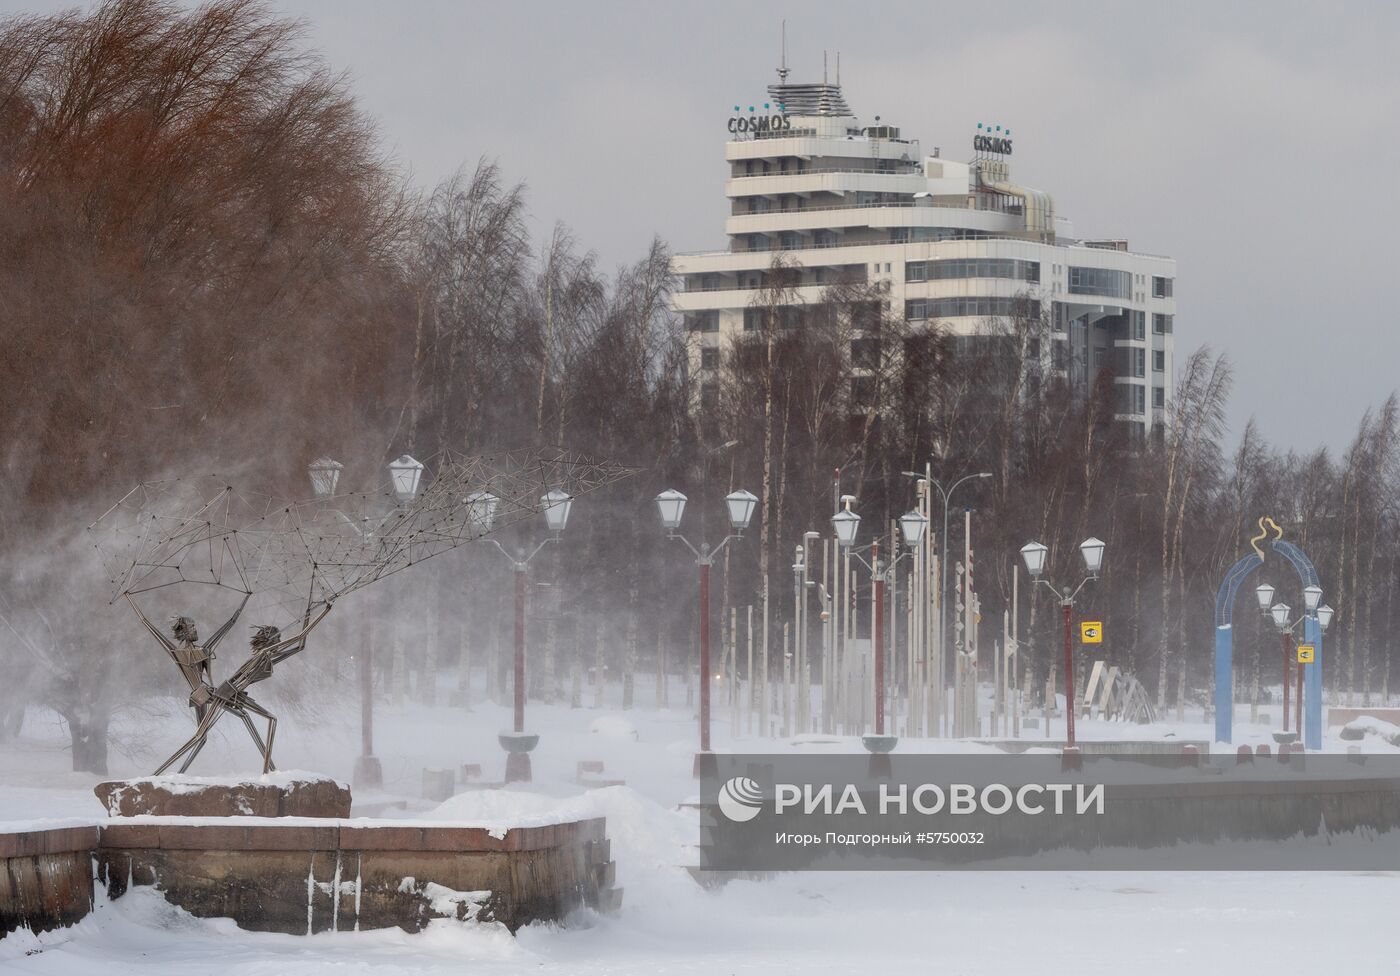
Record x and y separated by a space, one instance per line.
1305 654
1091 631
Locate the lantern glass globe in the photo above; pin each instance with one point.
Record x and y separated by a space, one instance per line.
740 504
481 509
1092 551
1312 596
1033 553
325 475
405 473
1324 616
913 525
1264 593
845 524
556 509
671 506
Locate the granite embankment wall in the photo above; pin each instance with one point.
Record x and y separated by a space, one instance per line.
307 876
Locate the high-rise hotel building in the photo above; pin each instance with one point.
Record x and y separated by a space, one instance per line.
957 243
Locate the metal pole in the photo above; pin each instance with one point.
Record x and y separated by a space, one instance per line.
942 602
1069 674
1286 682
829 608
1298 705
704 655
877 638
520 647
366 685
797 635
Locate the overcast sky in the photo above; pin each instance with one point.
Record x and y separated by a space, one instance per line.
1255 143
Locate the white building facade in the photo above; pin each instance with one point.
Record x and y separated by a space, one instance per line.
953 243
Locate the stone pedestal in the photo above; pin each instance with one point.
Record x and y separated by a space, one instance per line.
880 747
706 764
203 796
518 746
369 775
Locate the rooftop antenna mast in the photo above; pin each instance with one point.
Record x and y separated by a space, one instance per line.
783 70
823 67
838 69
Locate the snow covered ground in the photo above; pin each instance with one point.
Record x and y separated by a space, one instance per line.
967 922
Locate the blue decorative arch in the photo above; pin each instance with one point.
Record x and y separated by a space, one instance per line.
1225 640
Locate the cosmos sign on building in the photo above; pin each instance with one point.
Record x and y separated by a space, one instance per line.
988 140
760 121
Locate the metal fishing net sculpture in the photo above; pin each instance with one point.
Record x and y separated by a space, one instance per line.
294 558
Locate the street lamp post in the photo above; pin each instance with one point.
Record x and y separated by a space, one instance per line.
481 509
912 526
671 506
943 575
1314 611
405 473
1034 555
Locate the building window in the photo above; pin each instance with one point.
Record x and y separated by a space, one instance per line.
865 353
709 357
949 269
1139 399
1139 362
1139 326
862 389
963 305
1159 362
1100 281
1161 287
706 321
709 397
1099 354
1162 324
1159 396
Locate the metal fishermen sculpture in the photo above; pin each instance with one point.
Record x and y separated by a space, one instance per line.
296 558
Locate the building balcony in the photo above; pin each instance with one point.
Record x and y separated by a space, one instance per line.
912 214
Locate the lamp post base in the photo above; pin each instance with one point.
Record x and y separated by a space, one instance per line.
518 767
518 746
1071 760
706 764
369 775
880 747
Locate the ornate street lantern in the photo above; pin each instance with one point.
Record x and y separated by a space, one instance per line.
1312 596
740 505
671 504
1324 616
556 509
481 509
1092 551
1264 593
405 473
325 475
1034 555
845 523
912 526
